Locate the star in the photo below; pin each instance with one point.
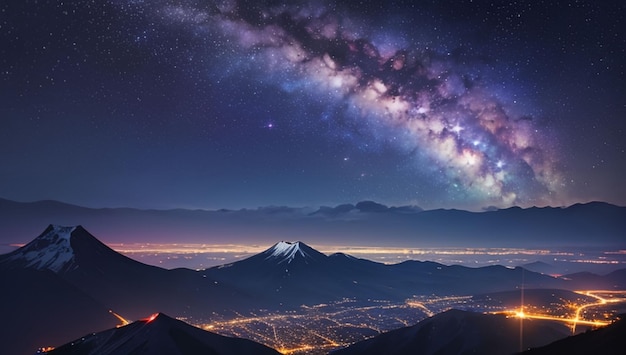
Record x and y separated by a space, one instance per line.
457 129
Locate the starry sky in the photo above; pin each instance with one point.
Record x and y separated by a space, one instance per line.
235 103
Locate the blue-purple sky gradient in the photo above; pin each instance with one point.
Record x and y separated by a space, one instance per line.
232 104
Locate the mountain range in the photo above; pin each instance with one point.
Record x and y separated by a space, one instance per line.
364 223
292 273
74 281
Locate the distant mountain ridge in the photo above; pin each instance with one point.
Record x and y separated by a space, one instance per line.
590 224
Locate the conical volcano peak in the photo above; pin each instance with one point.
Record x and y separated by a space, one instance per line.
289 251
55 234
160 334
61 230
52 250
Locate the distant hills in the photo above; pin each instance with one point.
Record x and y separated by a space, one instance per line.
72 279
364 223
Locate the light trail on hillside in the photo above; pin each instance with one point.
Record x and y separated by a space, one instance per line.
599 295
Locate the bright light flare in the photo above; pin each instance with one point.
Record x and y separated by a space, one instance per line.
599 295
122 319
151 318
302 348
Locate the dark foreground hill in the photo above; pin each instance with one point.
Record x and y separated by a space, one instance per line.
610 340
157 335
39 308
457 332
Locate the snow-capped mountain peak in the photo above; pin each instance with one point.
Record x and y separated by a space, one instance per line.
52 250
285 252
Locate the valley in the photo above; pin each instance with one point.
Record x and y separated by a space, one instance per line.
317 329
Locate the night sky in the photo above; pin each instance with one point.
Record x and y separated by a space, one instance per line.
232 104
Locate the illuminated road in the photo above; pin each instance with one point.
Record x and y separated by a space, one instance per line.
603 297
601 301
121 319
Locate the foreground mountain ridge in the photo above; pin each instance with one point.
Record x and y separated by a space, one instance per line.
159 334
463 332
608 340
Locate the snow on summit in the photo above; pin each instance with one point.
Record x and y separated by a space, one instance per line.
52 250
285 251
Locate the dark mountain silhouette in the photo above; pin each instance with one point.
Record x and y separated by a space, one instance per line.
610 340
460 332
159 334
129 287
290 274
